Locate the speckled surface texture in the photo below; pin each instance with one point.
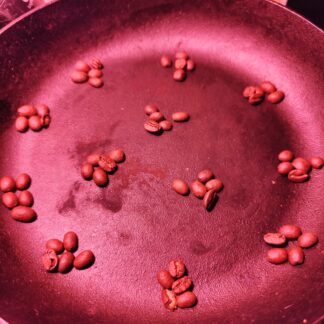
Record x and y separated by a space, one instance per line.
137 224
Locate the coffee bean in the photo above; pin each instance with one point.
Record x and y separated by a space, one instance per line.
50 260
95 73
165 61
276 97
9 200
152 126
285 167
205 175
216 184
106 163
316 162
296 255
100 177
96 64
181 285
55 245
277 255
210 199
186 300
150 109
177 268
257 96
298 176
87 171
165 279
42 110
93 159
21 124
96 82
117 155
156 116
301 164
191 65
274 238
248 91
27 111
180 116
307 240
82 66
292 232
35 123
46 120
179 75
23 181
70 241
7 184
198 189
181 55
65 263
79 76
84 260
180 63
180 187
286 156
26 198
169 300
268 87
166 125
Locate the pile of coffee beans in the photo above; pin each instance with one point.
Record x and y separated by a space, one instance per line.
34 117
295 254
92 73
182 64
97 166
156 122
20 206
176 286
256 94
297 169
54 262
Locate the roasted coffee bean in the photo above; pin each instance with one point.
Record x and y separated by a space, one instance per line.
267 87
117 155
21 124
165 61
152 126
248 91
166 125
26 198
46 120
150 109
177 268
296 255
257 96
169 300
156 116
302 164
216 184
95 73
205 175
96 64
180 187
198 189
106 163
65 263
42 110
82 66
274 238
182 55
23 181
165 279
285 167
35 123
100 177
191 65
27 111
50 260
87 171
292 232
84 260
79 76
210 199
93 159
307 240
9 200
7 184
286 156
298 176
316 162
186 300
276 97
181 285
180 63
179 75
180 116
96 82
55 245
277 255
70 241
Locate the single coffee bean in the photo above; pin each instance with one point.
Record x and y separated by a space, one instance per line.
180 63
117 155
165 61
70 241
9 200
96 64
298 176
181 285
23 181
79 76
216 184
182 55
35 123
191 65
96 82
210 199
27 111
106 163
285 167
277 255
296 255
82 66
274 238
166 125
248 91
65 263
87 171
26 198
302 164
180 116
46 120
316 162
165 279
100 177
150 109
179 75
205 175
177 268
257 96
50 260
152 126
292 232
286 156
42 110
198 189
23 214
186 300
84 260
169 300
276 97
21 124
156 116
180 187
93 159
55 245
7 184
307 240
268 87
95 73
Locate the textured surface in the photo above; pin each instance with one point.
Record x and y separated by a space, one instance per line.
137 224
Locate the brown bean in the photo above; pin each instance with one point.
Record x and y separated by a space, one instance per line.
191 65
152 126
165 279
42 110
156 116
180 116
65 263
95 73
23 181
179 75
35 123
27 111
55 245
274 238
82 66
150 109
96 82
93 159
180 64
210 199
177 268
165 61
26 198
316 162
169 300
302 164
117 155
50 260
285 167
181 55
180 187
198 189
268 87
186 300
307 240
7 184
79 76
277 255
106 163
21 124
96 64
298 176
292 232
166 125
296 255
216 184
46 120
276 97
285 156
181 285
100 177
84 260
87 171
205 175
248 91
23 214
257 96
70 241
9 200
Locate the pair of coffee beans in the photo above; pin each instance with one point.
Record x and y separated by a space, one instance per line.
92 73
